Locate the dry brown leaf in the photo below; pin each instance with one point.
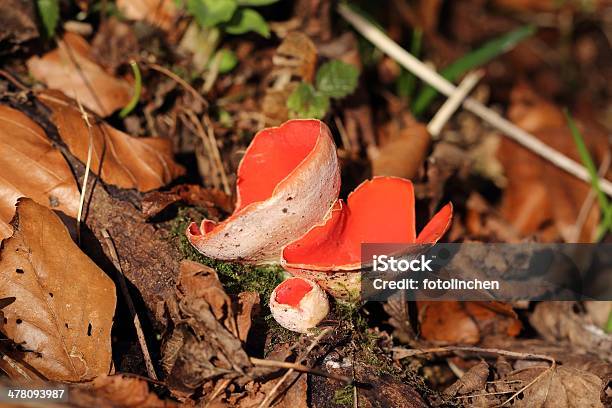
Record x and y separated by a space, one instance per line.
117 391
403 153
475 379
63 311
298 54
466 322
204 343
538 192
70 69
211 199
561 387
31 167
128 162
566 321
161 13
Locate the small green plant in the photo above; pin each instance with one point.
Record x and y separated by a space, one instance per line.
471 60
587 161
232 16
335 79
49 15
137 90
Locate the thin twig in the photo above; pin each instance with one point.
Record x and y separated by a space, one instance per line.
435 125
300 368
405 59
85 117
130 303
217 155
222 385
178 80
14 80
272 394
16 367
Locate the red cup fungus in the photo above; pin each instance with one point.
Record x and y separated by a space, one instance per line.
298 304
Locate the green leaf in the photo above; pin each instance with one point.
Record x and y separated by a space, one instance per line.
227 60
209 13
137 90
587 161
472 60
246 20
337 79
306 102
256 2
49 14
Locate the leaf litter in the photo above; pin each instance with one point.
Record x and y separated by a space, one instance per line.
206 321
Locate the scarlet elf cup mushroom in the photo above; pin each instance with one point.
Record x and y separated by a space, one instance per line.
298 304
287 181
288 212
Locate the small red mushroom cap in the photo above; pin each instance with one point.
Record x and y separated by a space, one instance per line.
298 304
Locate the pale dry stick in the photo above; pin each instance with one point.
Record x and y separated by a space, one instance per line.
418 68
507 353
270 397
217 155
443 115
178 80
130 303
222 385
588 202
16 367
299 367
346 141
206 143
85 117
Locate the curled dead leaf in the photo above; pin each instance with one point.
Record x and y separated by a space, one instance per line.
127 162
205 341
64 304
70 69
288 180
47 178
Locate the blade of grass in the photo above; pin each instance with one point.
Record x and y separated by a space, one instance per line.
585 157
137 90
473 60
406 82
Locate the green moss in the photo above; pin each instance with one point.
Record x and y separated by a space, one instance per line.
344 396
235 277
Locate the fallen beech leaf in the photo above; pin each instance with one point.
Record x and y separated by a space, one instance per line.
160 13
64 304
403 154
475 379
560 387
378 211
129 162
66 67
466 322
48 179
566 322
288 180
538 192
117 391
298 54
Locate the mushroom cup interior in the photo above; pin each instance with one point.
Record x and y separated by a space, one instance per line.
380 210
